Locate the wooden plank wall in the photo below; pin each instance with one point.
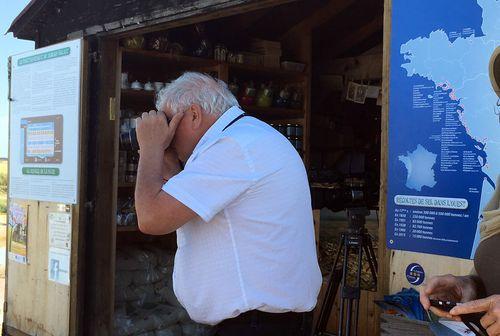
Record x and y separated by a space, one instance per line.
35 305
432 264
357 68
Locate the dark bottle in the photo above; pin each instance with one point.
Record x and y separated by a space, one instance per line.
132 164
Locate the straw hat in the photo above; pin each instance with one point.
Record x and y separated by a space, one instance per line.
495 71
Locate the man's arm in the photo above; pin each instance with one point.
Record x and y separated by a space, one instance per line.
157 212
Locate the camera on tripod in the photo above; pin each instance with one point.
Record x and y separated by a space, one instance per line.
355 241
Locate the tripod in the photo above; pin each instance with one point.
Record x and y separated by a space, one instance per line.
355 240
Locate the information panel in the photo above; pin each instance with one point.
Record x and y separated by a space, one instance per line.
444 131
45 123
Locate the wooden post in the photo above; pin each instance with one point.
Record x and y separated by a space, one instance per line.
383 252
101 237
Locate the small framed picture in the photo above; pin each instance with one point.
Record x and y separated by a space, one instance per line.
351 91
361 91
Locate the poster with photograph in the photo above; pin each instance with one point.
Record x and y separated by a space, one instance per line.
59 224
44 141
58 267
17 233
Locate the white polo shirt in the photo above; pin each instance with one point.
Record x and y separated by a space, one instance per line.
252 246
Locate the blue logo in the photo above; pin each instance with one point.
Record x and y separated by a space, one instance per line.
415 274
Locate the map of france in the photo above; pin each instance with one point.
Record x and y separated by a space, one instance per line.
444 135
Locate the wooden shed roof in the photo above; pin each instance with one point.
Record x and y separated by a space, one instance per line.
56 19
341 27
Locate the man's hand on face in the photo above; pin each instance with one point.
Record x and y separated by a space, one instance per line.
154 131
171 164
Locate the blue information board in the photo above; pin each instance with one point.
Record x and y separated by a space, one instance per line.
444 136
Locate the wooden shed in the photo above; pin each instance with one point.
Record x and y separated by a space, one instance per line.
334 44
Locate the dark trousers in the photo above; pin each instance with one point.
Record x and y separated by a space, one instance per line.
257 323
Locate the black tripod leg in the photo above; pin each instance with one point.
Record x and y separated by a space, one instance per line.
339 251
330 293
372 259
344 276
369 246
372 263
358 288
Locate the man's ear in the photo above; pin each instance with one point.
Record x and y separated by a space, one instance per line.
196 116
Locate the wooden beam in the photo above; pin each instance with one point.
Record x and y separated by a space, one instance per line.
355 37
321 16
247 21
185 18
384 255
101 237
360 67
77 280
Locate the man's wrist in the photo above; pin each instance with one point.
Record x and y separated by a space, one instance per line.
151 152
150 162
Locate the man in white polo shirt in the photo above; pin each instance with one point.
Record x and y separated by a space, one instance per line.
246 258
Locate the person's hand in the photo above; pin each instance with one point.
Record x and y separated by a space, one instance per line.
153 130
171 164
490 305
447 288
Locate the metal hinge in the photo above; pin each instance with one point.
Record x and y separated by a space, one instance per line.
89 205
112 108
9 76
95 56
5 306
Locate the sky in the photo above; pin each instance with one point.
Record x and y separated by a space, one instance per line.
8 46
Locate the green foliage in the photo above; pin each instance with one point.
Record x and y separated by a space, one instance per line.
3 205
3 182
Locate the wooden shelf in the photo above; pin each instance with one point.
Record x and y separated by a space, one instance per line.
270 113
127 228
261 71
299 121
126 185
154 65
138 99
138 93
267 113
140 55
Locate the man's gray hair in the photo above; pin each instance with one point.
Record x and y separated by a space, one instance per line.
211 94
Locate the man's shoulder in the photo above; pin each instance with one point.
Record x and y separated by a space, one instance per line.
253 132
251 139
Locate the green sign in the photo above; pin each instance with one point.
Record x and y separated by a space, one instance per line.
44 56
40 171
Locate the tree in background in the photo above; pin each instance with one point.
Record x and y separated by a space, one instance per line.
3 188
